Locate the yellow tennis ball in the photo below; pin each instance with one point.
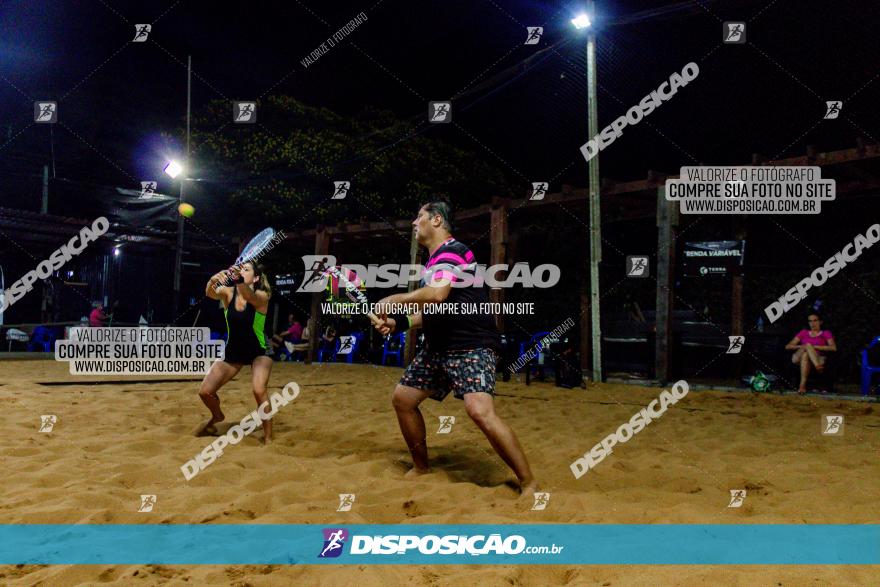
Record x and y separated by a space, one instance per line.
186 210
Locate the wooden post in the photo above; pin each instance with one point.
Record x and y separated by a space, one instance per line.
322 247
415 257
667 220
498 253
512 247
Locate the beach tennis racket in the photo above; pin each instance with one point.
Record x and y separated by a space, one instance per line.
254 249
345 285
256 246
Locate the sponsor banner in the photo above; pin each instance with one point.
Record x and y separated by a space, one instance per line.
284 284
713 257
472 544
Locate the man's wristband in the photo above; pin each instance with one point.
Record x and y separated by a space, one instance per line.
399 320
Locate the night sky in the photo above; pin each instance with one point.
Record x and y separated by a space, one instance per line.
522 107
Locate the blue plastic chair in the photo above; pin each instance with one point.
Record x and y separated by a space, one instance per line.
535 342
322 350
42 340
400 342
356 343
868 371
531 342
285 354
349 358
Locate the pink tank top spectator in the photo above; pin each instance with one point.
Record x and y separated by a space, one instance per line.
97 317
821 339
294 333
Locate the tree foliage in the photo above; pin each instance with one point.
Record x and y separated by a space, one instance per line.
280 170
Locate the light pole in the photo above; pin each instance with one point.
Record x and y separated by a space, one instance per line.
174 169
581 22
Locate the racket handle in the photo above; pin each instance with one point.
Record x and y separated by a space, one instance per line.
373 318
232 281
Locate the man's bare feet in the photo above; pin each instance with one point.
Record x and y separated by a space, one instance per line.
208 428
415 472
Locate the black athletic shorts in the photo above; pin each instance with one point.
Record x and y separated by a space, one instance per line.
461 372
245 356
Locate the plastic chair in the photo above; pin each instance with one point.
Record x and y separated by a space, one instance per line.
356 337
399 342
322 349
42 340
535 337
540 362
867 369
290 351
16 335
349 357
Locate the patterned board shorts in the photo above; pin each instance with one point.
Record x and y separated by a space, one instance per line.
460 372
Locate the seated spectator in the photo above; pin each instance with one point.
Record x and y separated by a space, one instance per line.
808 346
97 316
300 347
293 334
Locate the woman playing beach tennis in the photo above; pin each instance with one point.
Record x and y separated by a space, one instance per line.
245 303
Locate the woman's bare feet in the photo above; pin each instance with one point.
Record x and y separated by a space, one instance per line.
208 428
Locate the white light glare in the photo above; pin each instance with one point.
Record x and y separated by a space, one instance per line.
581 21
173 168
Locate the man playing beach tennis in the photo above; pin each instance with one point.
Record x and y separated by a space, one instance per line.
460 350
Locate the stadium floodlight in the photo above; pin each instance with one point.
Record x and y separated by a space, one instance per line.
173 168
581 21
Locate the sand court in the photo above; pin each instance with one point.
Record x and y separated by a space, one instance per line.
113 442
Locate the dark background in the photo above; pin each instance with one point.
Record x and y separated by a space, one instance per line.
120 96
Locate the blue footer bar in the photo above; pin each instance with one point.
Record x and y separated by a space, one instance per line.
529 544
